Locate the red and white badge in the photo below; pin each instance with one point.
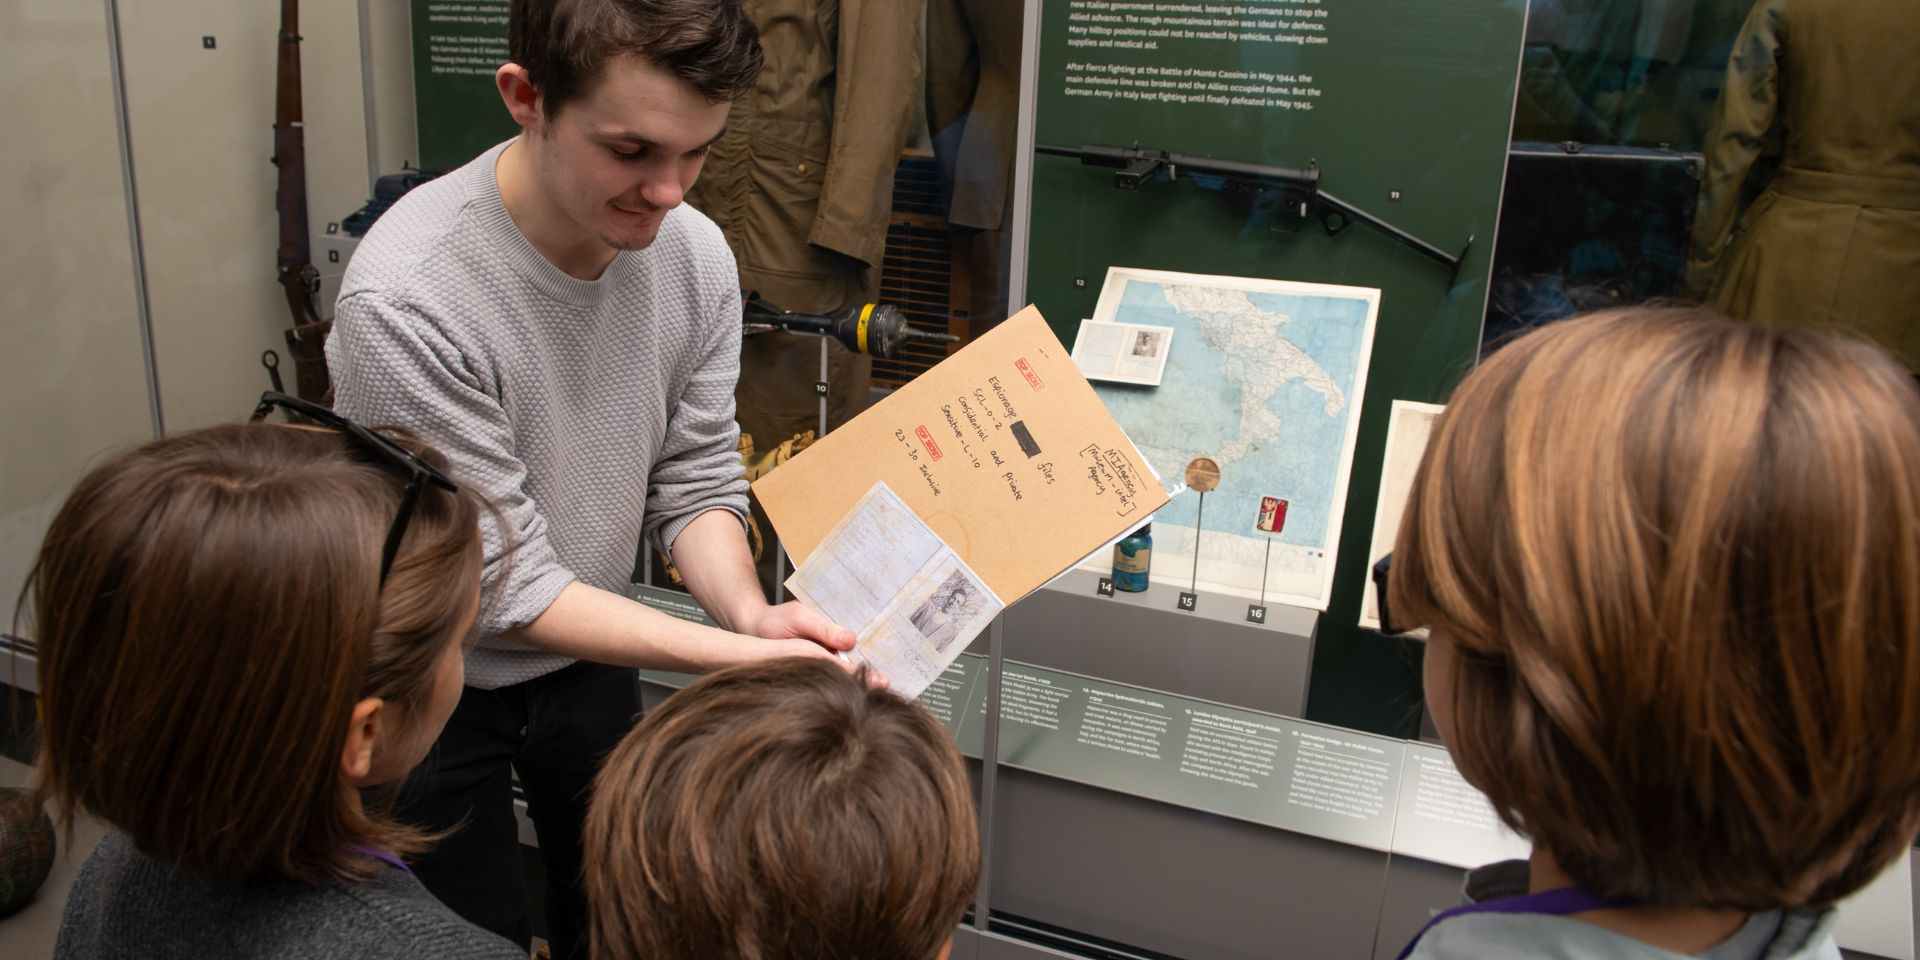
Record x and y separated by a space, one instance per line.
1273 515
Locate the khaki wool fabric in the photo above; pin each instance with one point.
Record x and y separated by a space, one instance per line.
1834 240
801 184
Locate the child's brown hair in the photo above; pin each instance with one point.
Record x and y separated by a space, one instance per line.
1678 562
781 810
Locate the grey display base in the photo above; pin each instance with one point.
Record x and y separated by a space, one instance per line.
1140 639
1209 606
1176 882
1170 881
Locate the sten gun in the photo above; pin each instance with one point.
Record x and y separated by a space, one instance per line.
878 329
1301 194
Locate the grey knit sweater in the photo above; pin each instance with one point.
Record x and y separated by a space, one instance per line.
590 412
126 904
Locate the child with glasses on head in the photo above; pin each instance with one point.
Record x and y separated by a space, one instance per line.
781 811
226 665
1671 570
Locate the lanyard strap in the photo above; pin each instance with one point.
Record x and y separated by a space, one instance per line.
1558 903
384 857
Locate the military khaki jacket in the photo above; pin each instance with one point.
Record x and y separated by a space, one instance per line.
1834 240
801 183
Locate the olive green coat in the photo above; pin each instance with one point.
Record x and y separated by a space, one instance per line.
801 184
1834 240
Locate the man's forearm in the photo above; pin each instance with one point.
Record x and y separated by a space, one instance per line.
588 623
713 557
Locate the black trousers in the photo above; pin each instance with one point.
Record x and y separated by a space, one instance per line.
554 731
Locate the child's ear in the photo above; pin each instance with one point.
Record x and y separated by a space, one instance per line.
363 731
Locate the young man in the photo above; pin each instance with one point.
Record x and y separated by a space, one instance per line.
555 320
782 811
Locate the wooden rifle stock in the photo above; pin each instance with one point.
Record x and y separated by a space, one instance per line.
306 338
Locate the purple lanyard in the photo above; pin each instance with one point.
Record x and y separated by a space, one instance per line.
1558 903
384 857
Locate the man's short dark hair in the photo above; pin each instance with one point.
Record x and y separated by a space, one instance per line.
565 44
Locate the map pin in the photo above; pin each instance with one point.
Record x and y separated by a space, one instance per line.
1203 474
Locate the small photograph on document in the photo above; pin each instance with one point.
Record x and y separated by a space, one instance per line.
1122 352
953 607
1146 344
928 626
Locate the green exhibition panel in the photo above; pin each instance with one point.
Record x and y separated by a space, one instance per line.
457 46
1396 110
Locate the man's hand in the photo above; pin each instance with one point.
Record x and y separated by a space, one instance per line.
588 623
810 634
712 555
796 619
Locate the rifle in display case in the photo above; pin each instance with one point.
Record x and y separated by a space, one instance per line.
1301 193
306 337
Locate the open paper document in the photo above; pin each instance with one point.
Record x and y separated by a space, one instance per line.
1407 431
1122 352
885 575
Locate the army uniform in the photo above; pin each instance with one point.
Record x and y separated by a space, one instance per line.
801 184
1834 239
973 105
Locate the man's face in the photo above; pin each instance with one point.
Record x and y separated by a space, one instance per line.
616 160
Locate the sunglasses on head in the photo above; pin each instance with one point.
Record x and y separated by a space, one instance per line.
419 472
1387 626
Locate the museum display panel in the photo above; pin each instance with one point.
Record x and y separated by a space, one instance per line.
1333 270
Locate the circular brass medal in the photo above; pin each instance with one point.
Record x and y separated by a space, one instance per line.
1203 474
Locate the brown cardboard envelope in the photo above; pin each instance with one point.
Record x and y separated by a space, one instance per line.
1003 449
